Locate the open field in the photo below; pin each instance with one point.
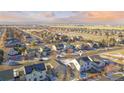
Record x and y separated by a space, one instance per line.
116 56
93 27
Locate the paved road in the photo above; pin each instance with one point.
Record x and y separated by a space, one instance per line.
28 32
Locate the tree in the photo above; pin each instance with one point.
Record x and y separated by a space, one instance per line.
107 37
103 43
112 41
33 43
120 36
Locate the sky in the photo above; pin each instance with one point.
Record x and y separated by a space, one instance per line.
83 17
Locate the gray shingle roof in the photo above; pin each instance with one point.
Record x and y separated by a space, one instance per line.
6 75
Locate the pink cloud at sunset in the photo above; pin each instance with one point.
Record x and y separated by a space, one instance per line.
108 17
104 16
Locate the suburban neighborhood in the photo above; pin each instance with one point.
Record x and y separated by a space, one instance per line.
61 53
59 46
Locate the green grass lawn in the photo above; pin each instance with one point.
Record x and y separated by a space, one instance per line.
112 56
121 51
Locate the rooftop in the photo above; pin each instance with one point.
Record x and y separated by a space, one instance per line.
6 75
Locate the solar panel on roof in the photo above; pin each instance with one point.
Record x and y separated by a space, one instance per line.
39 67
28 69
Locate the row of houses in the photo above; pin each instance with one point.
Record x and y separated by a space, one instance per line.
56 37
35 72
87 64
89 30
45 51
12 42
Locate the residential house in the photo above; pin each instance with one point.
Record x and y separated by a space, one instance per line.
60 71
95 45
46 51
14 55
19 74
51 72
87 46
71 66
71 48
12 42
6 75
85 63
88 64
70 62
35 72
12 63
61 46
31 53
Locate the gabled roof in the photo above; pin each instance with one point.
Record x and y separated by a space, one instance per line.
12 52
6 75
36 67
28 69
85 59
71 61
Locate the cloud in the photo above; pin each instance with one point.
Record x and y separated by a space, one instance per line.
98 17
103 16
48 14
12 16
63 16
7 17
26 16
